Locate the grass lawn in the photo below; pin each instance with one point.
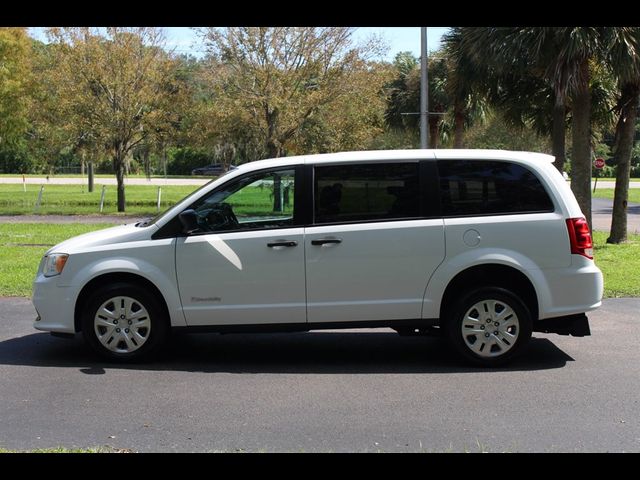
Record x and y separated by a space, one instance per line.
620 265
75 200
22 246
634 194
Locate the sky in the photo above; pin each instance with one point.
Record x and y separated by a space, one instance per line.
399 39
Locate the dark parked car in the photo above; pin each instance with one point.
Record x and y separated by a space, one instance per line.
214 169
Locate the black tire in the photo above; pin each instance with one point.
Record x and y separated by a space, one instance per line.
133 339
497 336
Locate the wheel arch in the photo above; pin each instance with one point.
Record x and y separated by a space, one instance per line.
110 278
495 275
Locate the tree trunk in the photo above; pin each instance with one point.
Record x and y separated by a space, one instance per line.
146 163
581 145
458 135
625 133
558 136
433 132
120 180
119 162
277 193
275 151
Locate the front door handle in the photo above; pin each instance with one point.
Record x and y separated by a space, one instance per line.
322 241
284 243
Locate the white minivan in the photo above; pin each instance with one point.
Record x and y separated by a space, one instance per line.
482 247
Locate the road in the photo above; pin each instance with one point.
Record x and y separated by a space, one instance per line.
335 391
601 209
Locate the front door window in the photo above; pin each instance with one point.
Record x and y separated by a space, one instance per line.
261 201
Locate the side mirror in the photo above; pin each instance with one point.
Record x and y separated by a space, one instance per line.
189 220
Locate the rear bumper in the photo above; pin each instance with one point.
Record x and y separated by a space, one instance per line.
570 291
574 325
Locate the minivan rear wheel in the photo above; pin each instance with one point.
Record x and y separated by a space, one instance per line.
123 322
488 326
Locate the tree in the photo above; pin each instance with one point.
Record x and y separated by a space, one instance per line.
15 49
404 95
351 122
403 101
561 56
623 57
280 77
467 84
115 84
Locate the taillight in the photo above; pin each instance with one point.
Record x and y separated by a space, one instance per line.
580 237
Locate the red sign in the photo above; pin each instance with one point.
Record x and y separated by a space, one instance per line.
599 163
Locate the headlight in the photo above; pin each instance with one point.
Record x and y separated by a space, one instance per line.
54 263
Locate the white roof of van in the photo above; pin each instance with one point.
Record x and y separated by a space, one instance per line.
415 154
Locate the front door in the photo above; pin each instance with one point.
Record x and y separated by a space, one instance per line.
245 265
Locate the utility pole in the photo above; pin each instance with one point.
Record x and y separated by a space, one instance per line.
424 90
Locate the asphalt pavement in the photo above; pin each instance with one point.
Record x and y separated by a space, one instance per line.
334 391
601 209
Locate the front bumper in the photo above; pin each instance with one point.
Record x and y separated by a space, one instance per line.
54 305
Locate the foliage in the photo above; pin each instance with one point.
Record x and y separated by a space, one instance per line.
15 159
274 80
183 160
496 132
15 82
116 87
404 95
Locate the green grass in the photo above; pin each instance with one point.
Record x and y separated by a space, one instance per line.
75 200
140 200
634 194
612 179
620 265
22 246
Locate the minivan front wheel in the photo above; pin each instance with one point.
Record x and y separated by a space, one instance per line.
489 326
124 322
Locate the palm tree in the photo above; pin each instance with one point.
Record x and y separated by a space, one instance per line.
466 86
623 57
404 95
402 99
560 56
439 100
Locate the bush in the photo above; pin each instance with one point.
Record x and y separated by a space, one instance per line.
15 161
184 159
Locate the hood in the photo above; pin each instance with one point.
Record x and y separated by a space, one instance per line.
108 236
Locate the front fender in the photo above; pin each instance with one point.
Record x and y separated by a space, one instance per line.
155 263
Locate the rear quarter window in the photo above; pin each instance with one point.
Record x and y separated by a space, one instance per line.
487 187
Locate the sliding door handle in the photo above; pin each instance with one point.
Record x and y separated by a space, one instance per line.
322 241
284 243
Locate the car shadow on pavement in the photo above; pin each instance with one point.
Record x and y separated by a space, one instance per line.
305 353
